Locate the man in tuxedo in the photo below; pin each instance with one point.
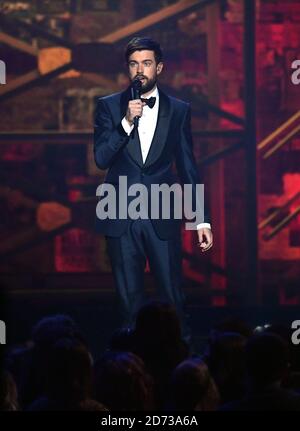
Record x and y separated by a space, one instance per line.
144 153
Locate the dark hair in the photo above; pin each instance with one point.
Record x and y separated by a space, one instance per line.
159 318
50 329
122 382
192 387
143 43
69 371
267 358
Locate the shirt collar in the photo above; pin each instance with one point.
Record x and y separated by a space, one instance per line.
154 93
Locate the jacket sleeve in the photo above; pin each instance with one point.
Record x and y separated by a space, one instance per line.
186 163
109 139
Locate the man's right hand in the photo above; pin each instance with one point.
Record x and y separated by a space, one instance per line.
134 109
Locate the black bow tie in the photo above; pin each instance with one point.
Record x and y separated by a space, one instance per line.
150 102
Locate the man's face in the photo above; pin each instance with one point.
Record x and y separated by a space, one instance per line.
142 65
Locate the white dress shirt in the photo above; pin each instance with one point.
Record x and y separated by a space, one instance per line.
146 129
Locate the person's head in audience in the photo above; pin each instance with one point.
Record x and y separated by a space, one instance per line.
29 365
267 359
158 332
158 341
69 376
121 382
192 387
226 361
50 329
159 317
8 392
285 332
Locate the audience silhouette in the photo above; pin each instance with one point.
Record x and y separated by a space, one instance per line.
151 368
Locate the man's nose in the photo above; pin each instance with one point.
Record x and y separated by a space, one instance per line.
140 68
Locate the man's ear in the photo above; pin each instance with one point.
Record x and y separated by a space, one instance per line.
159 68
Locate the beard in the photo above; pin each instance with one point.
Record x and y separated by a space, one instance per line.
148 85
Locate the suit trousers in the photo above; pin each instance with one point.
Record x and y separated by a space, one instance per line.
128 256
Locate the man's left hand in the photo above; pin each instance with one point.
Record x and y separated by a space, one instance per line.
205 238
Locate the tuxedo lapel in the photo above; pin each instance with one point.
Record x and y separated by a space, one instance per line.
134 146
124 99
161 131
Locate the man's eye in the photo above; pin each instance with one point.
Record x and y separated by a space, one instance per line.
132 64
148 63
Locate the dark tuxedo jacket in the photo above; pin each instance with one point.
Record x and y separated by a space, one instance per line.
120 154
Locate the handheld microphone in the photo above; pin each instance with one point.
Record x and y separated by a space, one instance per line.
136 88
